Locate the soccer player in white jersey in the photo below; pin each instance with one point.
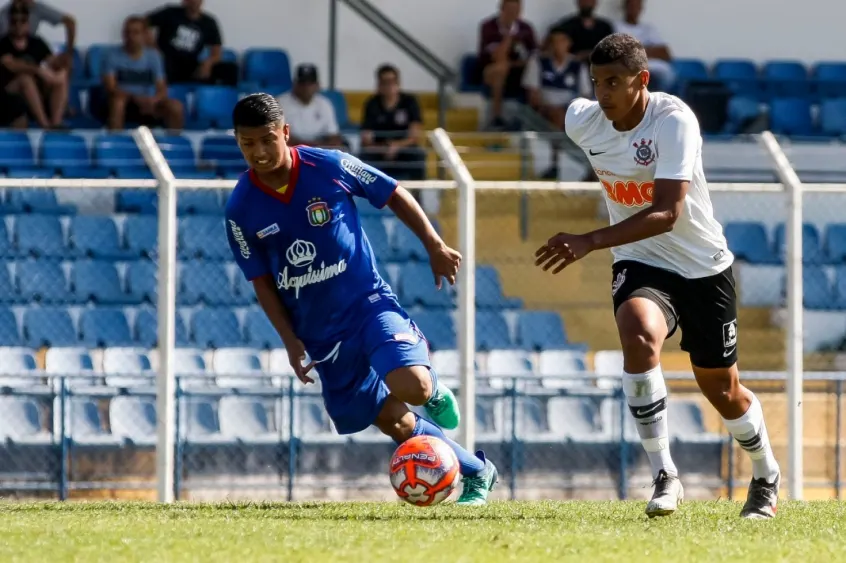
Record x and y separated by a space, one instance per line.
672 268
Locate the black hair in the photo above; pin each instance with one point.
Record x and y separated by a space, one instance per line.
386 68
620 48
558 30
18 10
257 110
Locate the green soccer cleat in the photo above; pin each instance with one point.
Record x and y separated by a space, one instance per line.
476 489
442 408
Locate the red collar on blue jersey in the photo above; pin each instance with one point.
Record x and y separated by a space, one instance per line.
292 180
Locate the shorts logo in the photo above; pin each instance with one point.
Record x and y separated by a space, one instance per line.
618 282
644 155
730 336
318 212
267 231
630 194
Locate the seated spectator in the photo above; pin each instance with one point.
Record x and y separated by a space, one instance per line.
585 29
391 129
662 76
182 34
41 12
554 80
310 114
30 70
134 87
505 44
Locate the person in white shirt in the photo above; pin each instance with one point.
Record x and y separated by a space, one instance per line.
311 114
672 267
660 68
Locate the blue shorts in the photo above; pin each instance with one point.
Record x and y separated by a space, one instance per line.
353 375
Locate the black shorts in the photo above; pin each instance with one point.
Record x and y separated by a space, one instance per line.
704 308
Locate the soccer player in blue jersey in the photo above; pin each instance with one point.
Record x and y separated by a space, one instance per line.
295 232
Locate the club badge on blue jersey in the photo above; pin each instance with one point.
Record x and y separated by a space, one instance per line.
318 212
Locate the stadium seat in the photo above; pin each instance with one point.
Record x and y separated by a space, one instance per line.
489 290
36 200
134 420
48 327
791 116
238 368
559 368
62 153
222 152
504 365
190 368
406 245
142 282
74 364
43 282
339 103
178 152
574 418
244 292
127 367
7 249
833 117
259 332
96 237
740 75
199 423
786 79
470 74
94 59
97 282
530 420
377 235
491 331
688 423
85 427
141 234
19 367
203 237
417 287
742 112
8 288
840 288
120 155
16 151
39 236
249 420
437 327
20 422
830 80
748 241
137 201
540 330
811 252
146 329
205 283
213 107
184 93
816 288
835 243
215 328
690 69
10 335
269 67
198 202
103 327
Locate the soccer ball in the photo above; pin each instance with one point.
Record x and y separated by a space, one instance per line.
424 471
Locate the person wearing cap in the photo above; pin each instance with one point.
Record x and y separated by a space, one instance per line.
310 114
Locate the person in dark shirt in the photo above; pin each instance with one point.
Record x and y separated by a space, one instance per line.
29 68
505 44
585 29
183 32
391 128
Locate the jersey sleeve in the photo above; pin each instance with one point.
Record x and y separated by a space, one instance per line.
363 180
576 119
244 249
678 145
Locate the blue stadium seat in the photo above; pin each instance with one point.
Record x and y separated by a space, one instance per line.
339 102
78 77
811 251
492 331
141 234
238 368
541 330
831 80
742 111
22 423
85 425
183 93
146 329
178 152
63 153
19 368
215 328
249 420
7 248
204 283
438 328
48 327
140 201
39 236
198 422
406 245
840 288
748 241
377 234
833 117
76 117
16 151
96 237
470 74
259 332
213 107
134 420
269 67
142 282
36 200
244 292
95 57
791 116
835 243
98 282
103 327
222 152
8 287
740 75
198 202
816 288
417 287
690 69
786 79
127 367
120 155
203 237
43 282
10 335
489 290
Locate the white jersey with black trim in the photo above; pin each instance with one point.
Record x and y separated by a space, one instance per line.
667 145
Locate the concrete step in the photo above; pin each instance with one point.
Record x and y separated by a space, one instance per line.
427 100
461 119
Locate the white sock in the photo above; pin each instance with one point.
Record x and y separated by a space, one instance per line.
646 394
751 433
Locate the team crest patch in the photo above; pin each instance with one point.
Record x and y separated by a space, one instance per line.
318 212
730 334
644 155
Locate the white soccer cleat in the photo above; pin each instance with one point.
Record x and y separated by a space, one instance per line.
668 494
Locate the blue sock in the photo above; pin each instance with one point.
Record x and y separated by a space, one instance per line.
469 464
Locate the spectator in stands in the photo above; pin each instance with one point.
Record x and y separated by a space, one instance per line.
41 12
311 114
134 86
182 34
505 44
660 69
30 69
585 29
391 128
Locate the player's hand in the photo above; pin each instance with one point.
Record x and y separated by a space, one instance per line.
445 262
562 250
297 358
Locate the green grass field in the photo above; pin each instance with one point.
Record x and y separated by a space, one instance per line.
381 532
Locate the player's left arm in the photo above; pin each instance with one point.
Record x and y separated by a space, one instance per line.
677 144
